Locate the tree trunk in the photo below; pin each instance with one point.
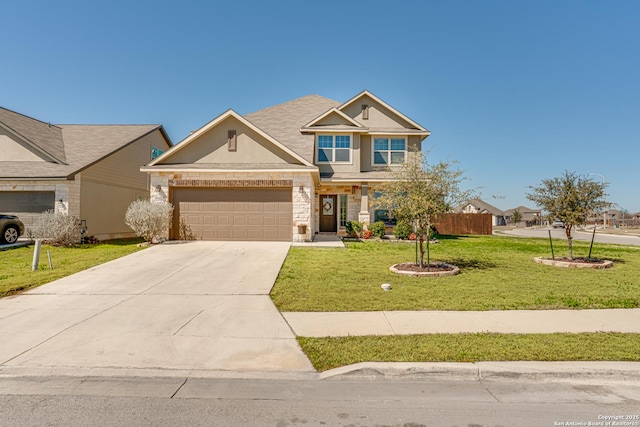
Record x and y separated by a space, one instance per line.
569 241
421 242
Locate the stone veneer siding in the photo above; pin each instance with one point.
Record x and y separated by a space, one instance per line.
353 203
302 190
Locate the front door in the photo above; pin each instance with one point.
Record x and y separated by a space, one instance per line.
328 214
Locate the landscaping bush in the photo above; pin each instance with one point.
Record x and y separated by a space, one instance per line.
402 230
149 220
354 228
377 229
57 229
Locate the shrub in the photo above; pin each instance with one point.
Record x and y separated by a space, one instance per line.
402 230
57 229
354 228
185 231
377 229
149 220
366 234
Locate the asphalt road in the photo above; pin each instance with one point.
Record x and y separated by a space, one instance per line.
59 401
557 233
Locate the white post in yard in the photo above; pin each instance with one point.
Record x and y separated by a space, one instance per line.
36 255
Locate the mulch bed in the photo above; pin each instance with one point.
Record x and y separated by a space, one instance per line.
433 267
580 260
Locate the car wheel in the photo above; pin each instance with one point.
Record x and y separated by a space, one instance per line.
10 234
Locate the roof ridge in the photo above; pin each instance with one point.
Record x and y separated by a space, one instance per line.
29 117
313 95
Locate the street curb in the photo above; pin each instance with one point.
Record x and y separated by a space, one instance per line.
502 371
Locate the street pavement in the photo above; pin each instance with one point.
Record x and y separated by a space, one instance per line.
559 233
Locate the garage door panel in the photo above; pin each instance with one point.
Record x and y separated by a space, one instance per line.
254 220
235 214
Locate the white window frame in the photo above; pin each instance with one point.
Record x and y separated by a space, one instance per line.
388 151
333 148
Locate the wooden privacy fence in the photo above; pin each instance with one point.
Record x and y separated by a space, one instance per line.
465 223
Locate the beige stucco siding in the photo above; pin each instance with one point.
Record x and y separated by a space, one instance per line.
379 116
212 147
14 150
106 220
123 167
333 119
110 186
365 153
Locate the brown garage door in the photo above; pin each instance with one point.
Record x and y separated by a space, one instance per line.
234 214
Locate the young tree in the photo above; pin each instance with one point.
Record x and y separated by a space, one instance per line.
420 192
571 199
516 216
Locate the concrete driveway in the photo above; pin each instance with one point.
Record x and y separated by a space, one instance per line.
194 306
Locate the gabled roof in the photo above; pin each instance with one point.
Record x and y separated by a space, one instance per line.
79 145
483 206
44 138
385 105
522 210
213 123
333 111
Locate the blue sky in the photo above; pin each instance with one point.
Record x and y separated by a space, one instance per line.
514 91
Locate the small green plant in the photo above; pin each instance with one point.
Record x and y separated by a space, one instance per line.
354 228
377 229
402 230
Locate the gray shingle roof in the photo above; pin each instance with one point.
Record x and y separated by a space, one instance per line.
283 121
79 145
45 136
484 206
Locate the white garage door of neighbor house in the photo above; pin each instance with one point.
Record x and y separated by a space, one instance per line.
259 214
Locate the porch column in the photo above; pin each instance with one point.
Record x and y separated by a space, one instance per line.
363 215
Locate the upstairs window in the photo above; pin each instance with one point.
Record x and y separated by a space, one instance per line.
389 151
334 148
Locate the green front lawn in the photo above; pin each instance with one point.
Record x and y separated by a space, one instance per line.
330 353
15 264
497 273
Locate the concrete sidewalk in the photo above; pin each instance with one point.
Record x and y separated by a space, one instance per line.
340 324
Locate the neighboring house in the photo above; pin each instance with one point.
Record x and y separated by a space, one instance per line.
479 206
529 216
284 173
90 171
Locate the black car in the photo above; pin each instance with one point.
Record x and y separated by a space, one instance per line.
11 227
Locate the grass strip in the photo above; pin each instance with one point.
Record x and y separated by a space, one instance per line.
15 264
333 352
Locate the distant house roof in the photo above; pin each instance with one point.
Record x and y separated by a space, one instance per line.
481 207
65 149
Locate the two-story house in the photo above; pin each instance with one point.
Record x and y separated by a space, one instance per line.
286 172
